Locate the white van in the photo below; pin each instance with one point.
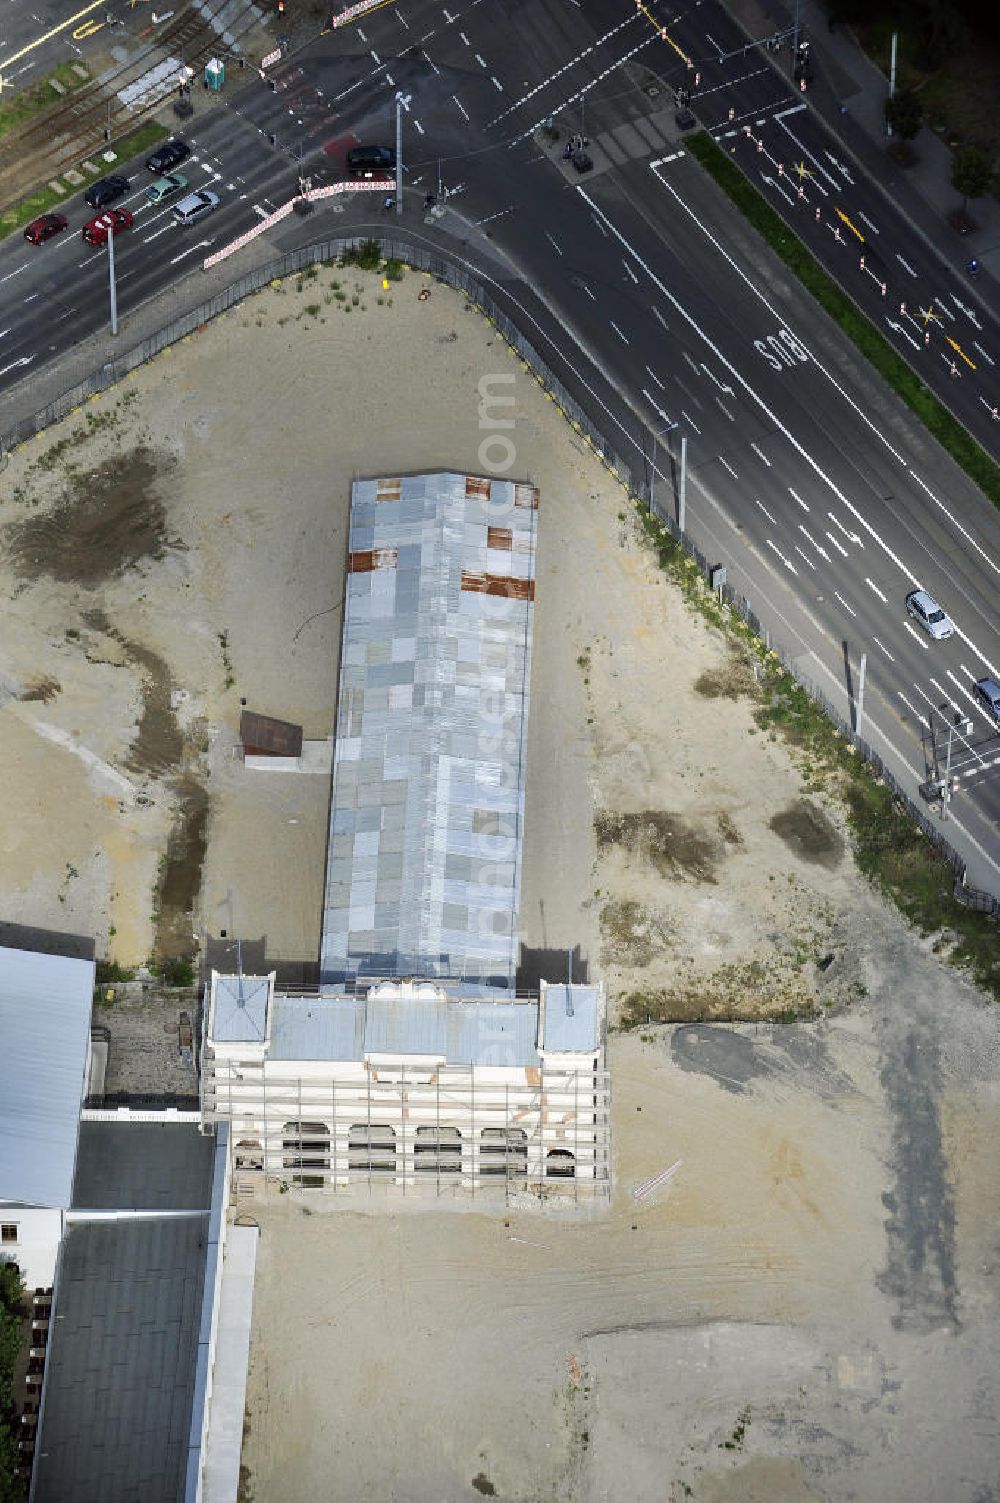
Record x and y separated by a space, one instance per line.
195 206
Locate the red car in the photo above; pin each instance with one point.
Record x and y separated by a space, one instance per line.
111 222
44 227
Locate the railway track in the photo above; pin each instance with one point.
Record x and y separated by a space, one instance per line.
59 138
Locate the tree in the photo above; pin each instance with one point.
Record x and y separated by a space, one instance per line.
904 114
971 173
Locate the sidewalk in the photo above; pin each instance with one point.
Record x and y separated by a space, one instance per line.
845 80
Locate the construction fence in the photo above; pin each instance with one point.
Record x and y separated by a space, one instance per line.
463 279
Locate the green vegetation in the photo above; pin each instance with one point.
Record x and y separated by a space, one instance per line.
367 255
904 114
889 846
11 1332
971 173
948 431
39 96
109 971
176 971
46 198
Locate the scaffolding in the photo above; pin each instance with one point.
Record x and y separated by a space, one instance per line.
456 1129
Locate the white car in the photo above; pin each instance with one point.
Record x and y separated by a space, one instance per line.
927 613
195 206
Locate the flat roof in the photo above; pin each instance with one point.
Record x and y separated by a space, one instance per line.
45 1004
122 1366
572 1018
143 1166
424 856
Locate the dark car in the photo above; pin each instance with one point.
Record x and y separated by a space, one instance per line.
684 120
104 192
371 161
44 227
167 157
987 691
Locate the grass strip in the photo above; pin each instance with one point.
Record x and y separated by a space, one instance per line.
40 95
889 846
891 366
39 202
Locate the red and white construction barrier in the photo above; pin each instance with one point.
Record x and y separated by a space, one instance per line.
353 11
374 185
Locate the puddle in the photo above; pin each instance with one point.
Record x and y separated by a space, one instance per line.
108 519
809 832
158 746
180 879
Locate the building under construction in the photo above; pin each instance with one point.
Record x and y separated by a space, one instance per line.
416 1062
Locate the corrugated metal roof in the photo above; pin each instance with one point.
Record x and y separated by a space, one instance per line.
502 1034
45 1003
240 1009
408 1025
424 860
572 1017
317 1028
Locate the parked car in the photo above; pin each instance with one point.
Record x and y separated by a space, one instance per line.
167 157
927 613
371 161
106 190
987 691
112 222
166 187
44 227
195 206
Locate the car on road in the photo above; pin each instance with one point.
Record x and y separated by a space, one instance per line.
167 157
195 206
987 691
684 120
106 190
371 161
44 227
166 187
927 613
111 222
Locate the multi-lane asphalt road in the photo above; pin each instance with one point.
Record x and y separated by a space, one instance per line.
663 314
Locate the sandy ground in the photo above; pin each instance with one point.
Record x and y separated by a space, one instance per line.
825 1254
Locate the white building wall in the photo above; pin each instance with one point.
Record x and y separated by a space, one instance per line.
35 1247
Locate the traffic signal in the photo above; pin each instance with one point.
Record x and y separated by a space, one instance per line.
281 7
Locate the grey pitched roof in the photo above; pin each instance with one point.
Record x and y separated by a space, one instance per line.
240 1009
424 856
45 1004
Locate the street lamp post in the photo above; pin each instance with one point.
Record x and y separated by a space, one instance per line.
659 433
111 280
402 102
954 722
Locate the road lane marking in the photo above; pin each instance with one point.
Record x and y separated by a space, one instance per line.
818 546
786 561
655 378
796 497
884 649
839 547
806 557
555 243
727 466
917 636
766 512
618 331
760 454
873 586
15 57
691 422
848 608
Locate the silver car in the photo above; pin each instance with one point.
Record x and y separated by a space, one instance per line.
927 613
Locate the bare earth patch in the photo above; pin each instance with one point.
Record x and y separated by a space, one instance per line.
805 1307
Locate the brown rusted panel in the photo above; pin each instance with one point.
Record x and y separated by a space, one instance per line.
368 559
499 537
388 490
498 584
475 485
263 736
526 495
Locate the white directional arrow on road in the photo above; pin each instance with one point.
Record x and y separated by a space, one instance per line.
24 360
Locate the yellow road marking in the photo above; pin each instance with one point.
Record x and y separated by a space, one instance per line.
97 5
87 29
663 31
959 351
841 215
